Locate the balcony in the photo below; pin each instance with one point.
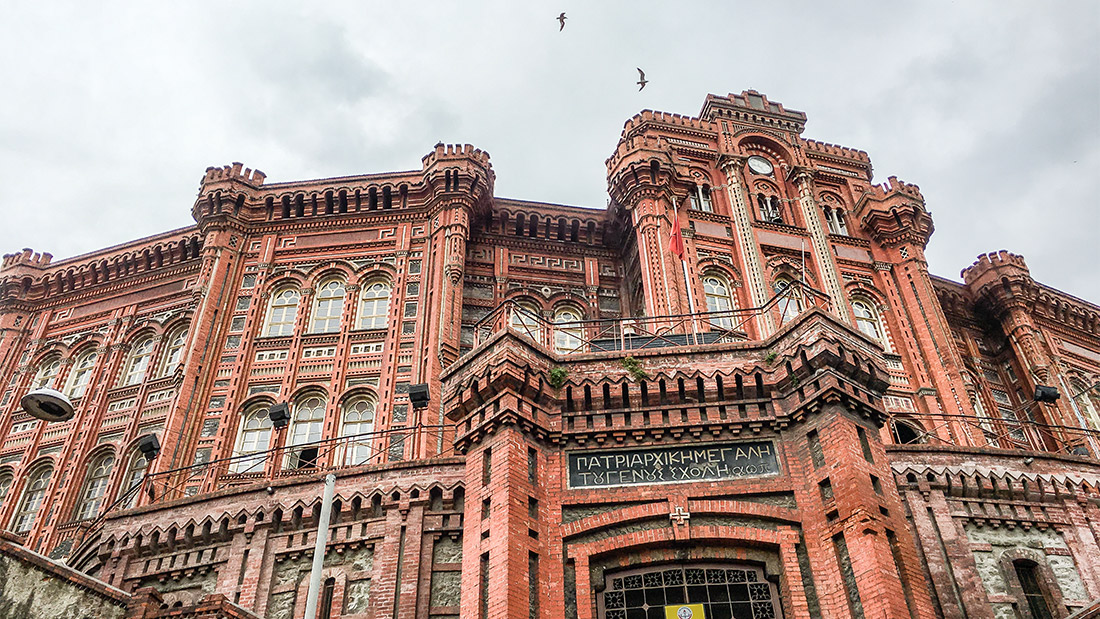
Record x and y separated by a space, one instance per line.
645 332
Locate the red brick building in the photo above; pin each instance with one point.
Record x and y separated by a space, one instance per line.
736 390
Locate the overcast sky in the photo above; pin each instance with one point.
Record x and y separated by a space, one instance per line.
111 111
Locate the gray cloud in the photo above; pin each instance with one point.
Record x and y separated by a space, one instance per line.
118 108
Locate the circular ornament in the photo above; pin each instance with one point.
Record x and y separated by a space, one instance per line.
760 165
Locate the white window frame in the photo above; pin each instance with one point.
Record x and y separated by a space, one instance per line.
137 364
719 300
34 495
358 417
282 313
328 307
96 485
81 374
374 307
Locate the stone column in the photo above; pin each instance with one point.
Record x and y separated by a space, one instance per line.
825 261
750 251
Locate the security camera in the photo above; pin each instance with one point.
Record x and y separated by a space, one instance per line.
48 404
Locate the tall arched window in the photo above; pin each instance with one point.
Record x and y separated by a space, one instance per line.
867 319
1027 573
6 478
33 495
95 486
81 374
328 307
358 420
135 474
374 305
138 363
46 375
719 295
284 310
306 426
1084 400
526 320
790 299
173 353
568 331
255 437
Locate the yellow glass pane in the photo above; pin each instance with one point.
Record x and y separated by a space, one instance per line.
685 611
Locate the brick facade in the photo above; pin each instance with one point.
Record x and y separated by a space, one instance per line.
793 419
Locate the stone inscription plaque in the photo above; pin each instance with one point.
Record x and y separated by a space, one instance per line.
669 465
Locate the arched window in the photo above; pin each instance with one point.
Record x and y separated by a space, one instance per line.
81 374
906 433
719 295
867 319
1027 573
135 474
138 362
700 198
174 351
306 427
328 307
790 299
46 375
33 495
95 486
6 478
1084 400
568 330
526 320
374 306
284 310
769 208
255 437
358 420
834 217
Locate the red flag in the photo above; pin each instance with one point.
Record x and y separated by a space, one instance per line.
676 242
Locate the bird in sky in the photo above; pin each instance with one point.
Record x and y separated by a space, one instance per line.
561 20
642 81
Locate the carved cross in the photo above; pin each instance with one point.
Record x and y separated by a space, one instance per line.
679 516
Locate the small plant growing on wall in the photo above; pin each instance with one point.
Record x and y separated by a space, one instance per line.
634 368
558 374
770 357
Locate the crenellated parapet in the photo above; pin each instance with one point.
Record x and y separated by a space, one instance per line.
459 173
1002 279
753 108
893 213
225 190
30 276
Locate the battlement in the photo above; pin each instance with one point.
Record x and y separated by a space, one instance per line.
895 185
234 171
666 118
998 260
456 151
632 144
750 105
836 150
28 258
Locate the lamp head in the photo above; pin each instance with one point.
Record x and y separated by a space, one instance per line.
48 404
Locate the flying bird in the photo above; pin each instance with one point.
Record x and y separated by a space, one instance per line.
642 81
561 20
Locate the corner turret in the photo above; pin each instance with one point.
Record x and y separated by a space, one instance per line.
893 213
225 190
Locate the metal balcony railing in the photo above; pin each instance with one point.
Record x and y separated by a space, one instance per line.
645 332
